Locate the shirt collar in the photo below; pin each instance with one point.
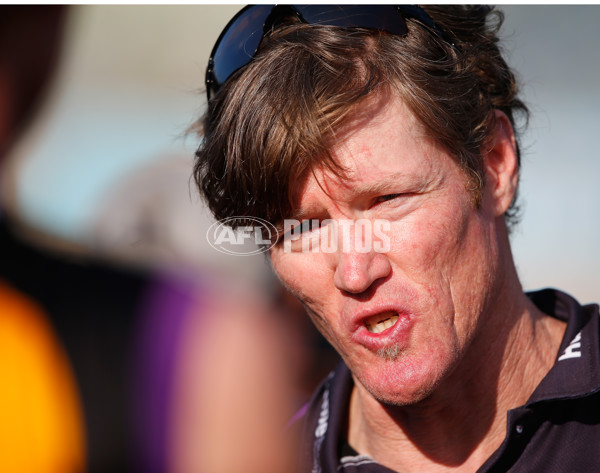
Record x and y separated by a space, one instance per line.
576 370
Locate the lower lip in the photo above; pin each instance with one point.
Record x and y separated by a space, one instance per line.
396 335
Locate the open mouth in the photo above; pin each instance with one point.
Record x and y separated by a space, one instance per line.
382 322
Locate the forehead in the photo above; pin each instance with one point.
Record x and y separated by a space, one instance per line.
381 142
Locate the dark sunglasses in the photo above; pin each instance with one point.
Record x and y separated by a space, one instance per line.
241 38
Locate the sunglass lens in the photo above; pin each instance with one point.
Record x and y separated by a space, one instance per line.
239 43
378 17
241 37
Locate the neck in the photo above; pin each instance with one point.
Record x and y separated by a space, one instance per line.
459 426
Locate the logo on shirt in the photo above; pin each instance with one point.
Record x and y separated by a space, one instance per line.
573 350
323 415
320 432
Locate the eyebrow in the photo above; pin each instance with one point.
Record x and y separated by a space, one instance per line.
313 212
378 187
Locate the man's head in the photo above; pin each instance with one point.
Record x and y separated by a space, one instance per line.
416 130
277 117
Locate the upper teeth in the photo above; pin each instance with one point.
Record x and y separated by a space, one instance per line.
380 326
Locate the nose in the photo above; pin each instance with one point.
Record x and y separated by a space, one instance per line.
356 272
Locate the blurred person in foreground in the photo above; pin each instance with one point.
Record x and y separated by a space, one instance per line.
41 416
380 141
111 368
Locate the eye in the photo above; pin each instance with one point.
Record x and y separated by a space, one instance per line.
387 197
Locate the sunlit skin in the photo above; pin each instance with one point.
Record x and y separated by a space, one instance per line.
431 391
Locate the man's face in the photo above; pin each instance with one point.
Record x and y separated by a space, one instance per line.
433 284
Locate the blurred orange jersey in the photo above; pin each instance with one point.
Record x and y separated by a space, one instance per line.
41 422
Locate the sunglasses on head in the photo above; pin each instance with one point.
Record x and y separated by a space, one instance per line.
241 38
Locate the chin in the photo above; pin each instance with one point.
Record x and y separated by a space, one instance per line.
401 382
400 397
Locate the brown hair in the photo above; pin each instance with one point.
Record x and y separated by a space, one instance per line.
272 121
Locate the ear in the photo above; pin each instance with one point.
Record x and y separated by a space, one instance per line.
501 166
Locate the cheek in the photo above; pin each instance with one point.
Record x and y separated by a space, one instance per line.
307 279
466 261
304 275
428 244
446 250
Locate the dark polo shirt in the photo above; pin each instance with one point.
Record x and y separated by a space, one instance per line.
557 430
